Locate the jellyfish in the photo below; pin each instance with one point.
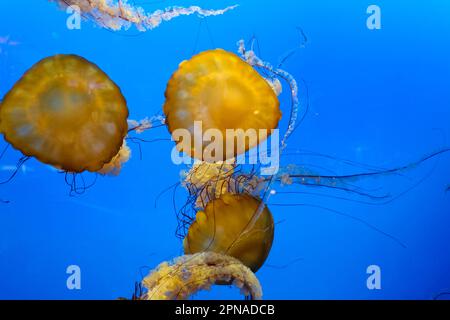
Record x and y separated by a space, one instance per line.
117 15
189 274
114 167
66 112
222 228
220 91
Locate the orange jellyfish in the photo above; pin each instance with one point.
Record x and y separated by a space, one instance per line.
114 167
222 92
66 112
224 227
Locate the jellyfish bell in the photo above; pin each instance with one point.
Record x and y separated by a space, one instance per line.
224 93
66 112
223 228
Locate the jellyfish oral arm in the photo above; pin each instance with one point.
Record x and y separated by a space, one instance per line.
251 58
117 15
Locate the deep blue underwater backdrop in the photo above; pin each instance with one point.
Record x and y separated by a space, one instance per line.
376 97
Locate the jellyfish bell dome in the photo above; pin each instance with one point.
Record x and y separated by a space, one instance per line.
66 112
221 91
223 227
